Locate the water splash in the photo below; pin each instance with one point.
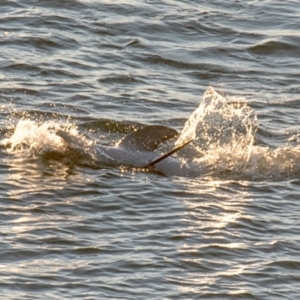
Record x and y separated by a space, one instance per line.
279 163
221 126
32 138
219 121
224 129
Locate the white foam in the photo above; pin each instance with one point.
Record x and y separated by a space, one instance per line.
31 137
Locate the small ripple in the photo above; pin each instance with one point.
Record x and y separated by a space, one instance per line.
21 67
275 48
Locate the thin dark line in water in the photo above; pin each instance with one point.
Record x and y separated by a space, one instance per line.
167 154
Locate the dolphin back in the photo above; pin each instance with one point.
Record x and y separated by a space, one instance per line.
147 138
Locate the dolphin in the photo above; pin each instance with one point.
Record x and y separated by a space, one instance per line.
137 150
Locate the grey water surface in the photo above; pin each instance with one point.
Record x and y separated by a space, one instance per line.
70 231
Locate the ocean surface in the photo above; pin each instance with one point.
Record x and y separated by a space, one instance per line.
226 73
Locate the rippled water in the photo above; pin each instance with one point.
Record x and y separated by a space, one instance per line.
101 69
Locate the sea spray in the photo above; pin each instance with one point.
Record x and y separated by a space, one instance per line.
31 137
223 131
34 138
278 163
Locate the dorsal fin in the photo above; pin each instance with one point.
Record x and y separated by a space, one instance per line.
147 138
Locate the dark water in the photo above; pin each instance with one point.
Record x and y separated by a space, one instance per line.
69 231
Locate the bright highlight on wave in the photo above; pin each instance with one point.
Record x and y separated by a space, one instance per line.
223 129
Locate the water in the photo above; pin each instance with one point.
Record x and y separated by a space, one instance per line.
72 229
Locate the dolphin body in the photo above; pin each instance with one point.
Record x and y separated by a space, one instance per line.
136 150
